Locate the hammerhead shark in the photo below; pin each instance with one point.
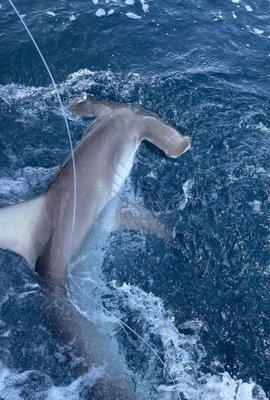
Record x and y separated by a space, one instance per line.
40 229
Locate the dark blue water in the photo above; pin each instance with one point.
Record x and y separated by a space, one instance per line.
202 301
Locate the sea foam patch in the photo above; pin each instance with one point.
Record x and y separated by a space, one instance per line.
12 384
126 7
257 31
30 100
133 15
100 12
182 354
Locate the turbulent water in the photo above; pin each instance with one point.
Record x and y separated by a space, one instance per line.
200 301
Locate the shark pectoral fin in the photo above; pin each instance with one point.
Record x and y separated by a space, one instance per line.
136 217
89 107
164 136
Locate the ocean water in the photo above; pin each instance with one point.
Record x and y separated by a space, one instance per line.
201 301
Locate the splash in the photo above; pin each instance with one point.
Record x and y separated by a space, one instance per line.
182 353
13 385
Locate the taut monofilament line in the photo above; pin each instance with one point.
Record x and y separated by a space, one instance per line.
66 124
118 320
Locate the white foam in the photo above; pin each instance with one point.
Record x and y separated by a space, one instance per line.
72 17
7 333
50 13
263 128
119 4
145 6
133 15
100 12
218 15
258 31
236 1
32 285
179 354
12 385
8 390
72 391
256 206
29 100
187 186
110 12
248 8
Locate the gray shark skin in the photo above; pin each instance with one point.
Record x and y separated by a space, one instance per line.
103 158
40 229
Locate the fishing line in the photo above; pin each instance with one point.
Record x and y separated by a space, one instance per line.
66 124
123 324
